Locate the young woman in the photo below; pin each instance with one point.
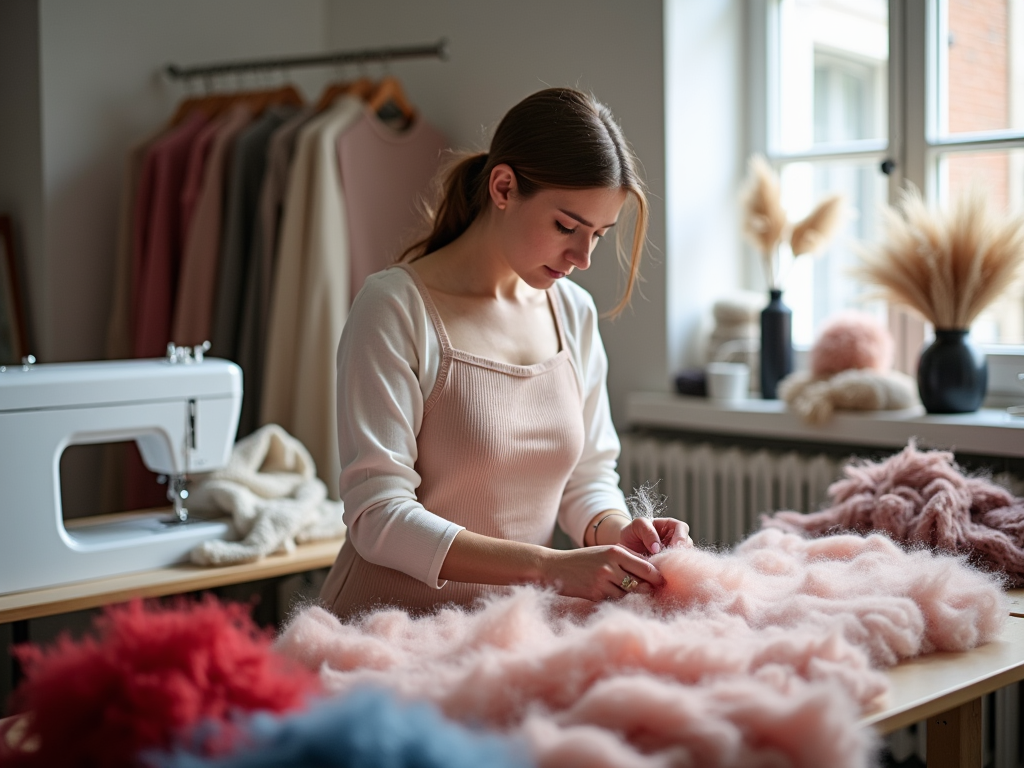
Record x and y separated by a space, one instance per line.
472 407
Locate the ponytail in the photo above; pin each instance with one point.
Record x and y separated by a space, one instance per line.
556 138
463 193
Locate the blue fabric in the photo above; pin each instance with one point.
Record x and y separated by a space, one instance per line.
367 729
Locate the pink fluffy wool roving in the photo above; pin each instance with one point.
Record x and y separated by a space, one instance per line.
921 497
757 657
851 340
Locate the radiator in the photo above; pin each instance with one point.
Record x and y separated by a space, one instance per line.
722 491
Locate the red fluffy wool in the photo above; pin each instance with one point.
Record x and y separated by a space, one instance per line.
150 676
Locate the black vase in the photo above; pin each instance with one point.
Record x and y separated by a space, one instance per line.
952 376
776 344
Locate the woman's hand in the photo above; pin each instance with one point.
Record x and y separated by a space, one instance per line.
597 573
649 536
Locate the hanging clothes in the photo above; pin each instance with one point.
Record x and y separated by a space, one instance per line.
247 166
156 252
193 310
119 343
311 294
255 314
192 186
384 173
155 260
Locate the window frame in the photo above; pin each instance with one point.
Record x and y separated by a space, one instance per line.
914 141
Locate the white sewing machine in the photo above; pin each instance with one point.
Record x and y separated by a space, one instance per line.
183 413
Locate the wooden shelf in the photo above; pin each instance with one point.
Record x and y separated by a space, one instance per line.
988 432
161 582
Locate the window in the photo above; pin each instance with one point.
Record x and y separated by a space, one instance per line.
978 136
933 89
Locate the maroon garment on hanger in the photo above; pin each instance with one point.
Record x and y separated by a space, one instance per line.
157 251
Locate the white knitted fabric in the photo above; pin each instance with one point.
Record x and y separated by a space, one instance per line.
271 490
815 400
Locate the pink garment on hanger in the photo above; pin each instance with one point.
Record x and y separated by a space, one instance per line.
156 253
194 172
384 174
193 302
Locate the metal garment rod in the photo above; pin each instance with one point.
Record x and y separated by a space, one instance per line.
438 50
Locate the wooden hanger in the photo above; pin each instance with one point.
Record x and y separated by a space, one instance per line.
361 87
257 101
208 105
389 90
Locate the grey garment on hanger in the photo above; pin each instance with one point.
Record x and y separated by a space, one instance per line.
248 162
259 277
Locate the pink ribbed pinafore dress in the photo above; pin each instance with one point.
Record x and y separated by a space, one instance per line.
496 447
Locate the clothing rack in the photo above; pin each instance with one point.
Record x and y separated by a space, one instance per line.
438 50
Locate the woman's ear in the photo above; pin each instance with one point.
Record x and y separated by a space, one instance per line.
502 185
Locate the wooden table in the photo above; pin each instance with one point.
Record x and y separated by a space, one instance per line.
945 689
177 579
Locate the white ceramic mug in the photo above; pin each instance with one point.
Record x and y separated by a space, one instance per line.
728 382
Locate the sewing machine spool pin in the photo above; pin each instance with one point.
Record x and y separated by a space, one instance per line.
177 493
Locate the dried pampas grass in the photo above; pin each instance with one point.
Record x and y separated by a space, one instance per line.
812 234
765 221
764 218
767 227
946 266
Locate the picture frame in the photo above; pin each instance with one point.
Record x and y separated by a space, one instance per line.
13 330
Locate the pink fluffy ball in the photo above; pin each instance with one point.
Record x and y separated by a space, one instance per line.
851 340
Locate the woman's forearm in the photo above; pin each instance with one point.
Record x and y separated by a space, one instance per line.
485 560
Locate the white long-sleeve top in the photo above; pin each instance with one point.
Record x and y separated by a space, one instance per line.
388 362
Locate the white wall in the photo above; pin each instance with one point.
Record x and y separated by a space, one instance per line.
501 52
705 128
80 79
101 92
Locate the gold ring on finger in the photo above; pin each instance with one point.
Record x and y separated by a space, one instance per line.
627 583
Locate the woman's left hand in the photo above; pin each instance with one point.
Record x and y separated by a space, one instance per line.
649 536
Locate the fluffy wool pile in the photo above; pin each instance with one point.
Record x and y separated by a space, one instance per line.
198 686
850 366
367 729
763 656
149 677
922 497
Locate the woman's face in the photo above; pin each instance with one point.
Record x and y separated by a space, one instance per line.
549 234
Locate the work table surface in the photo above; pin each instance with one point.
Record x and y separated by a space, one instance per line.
33 603
937 682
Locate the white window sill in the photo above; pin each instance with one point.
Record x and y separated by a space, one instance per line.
988 432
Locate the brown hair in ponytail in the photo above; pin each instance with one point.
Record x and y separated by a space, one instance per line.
556 138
